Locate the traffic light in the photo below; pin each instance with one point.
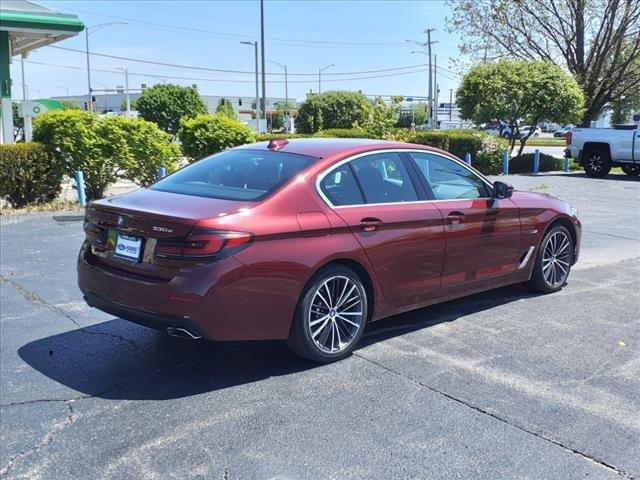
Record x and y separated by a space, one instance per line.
86 105
94 104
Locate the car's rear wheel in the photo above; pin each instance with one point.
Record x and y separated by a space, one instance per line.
596 162
553 262
631 170
331 315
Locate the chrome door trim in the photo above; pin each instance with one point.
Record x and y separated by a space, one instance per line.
330 168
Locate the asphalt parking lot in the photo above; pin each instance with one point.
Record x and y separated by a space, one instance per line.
505 384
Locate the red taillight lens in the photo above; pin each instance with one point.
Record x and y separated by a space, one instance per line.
568 137
203 244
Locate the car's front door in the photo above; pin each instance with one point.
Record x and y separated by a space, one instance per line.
482 234
401 233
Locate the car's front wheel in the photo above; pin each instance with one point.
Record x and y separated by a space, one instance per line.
331 315
631 170
553 262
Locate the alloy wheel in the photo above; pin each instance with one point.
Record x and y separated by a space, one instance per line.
596 162
556 259
336 314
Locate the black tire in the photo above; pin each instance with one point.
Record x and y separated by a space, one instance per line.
596 162
301 341
631 170
540 280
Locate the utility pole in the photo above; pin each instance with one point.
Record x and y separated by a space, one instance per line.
435 87
27 129
450 104
264 82
255 46
86 32
428 32
126 89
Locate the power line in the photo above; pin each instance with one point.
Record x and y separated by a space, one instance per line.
221 70
173 77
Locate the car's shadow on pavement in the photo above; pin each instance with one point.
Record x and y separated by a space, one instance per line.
119 360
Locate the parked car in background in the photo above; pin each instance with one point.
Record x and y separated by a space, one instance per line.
309 240
549 127
526 130
563 131
600 149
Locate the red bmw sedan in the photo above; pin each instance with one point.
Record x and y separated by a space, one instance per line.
309 240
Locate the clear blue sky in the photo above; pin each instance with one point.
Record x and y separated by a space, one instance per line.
305 35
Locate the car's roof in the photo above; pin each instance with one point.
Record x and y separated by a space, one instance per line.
325 147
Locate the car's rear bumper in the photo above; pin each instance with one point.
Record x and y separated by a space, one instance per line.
224 300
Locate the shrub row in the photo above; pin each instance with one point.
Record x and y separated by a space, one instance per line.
105 148
524 163
29 173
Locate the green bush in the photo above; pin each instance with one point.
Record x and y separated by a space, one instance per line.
75 140
265 137
208 134
142 148
29 173
343 133
489 158
437 139
105 148
524 163
333 110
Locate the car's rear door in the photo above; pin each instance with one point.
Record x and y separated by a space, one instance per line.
482 234
401 233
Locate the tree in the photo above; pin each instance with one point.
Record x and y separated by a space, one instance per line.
625 106
167 104
519 90
417 115
69 105
595 40
335 109
225 108
383 116
205 135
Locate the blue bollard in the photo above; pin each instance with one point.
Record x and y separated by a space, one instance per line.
536 162
467 158
80 186
566 165
162 172
505 163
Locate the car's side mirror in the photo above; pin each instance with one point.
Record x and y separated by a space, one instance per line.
502 190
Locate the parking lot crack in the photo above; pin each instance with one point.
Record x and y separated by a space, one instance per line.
45 442
497 417
37 300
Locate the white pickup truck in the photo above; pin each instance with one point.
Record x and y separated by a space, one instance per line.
599 149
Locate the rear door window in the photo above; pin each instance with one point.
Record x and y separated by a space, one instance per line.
384 178
236 174
341 188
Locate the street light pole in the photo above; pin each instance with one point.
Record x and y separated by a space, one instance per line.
286 86
126 89
264 82
255 46
428 31
87 31
320 70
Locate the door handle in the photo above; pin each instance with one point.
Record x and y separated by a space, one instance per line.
455 218
370 224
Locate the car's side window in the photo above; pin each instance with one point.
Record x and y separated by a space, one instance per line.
447 179
384 178
341 188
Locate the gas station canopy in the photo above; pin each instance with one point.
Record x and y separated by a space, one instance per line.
25 26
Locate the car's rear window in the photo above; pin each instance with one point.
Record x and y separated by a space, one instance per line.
236 175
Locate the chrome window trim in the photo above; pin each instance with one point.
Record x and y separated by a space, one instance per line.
331 168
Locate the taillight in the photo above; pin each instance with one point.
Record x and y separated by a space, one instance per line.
203 244
568 137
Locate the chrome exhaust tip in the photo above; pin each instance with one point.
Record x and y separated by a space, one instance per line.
180 332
